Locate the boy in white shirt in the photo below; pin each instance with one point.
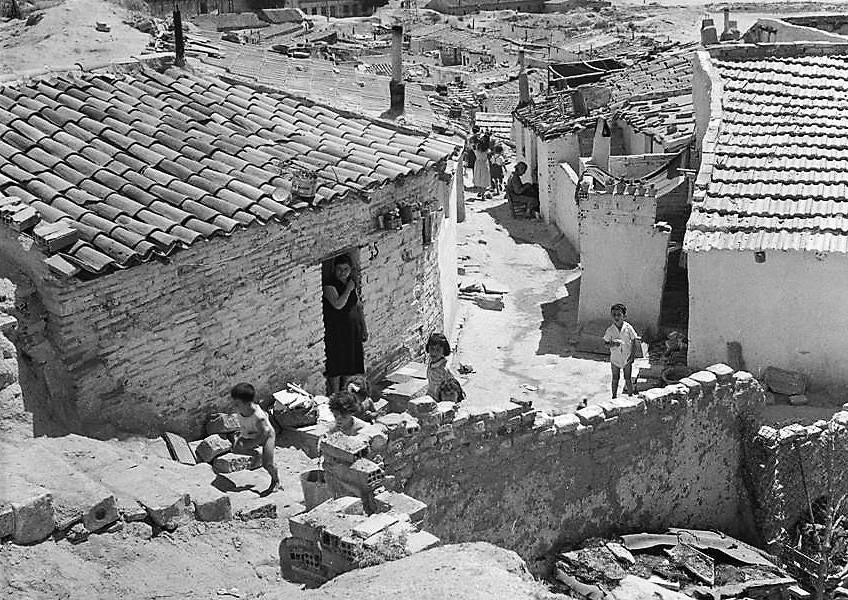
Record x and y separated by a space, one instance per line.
621 339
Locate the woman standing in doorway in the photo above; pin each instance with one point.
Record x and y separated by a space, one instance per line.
482 177
344 325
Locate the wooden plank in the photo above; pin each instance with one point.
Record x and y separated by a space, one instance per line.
179 449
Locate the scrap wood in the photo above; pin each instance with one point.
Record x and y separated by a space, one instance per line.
730 547
694 561
593 592
644 541
735 590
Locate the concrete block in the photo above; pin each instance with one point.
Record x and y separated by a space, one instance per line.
541 420
707 380
374 524
7 521
412 424
445 412
345 448
841 417
566 423
179 449
693 387
34 519
420 541
304 528
267 509
230 463
102 514
169 513
222 423
401 503
421 406
590 415
212 506
723 373
629 404
212 447
609 407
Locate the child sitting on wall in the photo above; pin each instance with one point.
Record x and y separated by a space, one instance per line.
358 386
438 349
255 431
344 407
450 391
621 339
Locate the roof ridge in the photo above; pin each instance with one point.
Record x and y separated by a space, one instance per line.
160 59
776 49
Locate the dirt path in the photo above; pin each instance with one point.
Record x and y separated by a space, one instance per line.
527 349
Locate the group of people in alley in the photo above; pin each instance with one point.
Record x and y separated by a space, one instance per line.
486 159
350 394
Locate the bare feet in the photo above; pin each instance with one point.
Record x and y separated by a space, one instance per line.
275 486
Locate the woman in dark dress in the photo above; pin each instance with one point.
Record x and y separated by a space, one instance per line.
344 325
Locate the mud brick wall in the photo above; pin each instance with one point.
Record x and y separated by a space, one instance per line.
157 346
778 462
532 483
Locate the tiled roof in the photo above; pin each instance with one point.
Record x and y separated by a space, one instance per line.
500 124
669 119
553 115
774 174
142 163
670 70
341 86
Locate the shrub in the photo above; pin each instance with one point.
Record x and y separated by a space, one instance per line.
389 547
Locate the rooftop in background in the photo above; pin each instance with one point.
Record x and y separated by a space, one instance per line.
341 86
774 174
500 124
554 115
668 70
142 163
667 117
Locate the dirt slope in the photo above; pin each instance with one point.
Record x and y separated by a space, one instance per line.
66 36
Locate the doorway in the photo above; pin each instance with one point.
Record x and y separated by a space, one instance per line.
344 319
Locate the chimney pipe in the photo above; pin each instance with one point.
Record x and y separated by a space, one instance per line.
523 84
397 89
726 19
179 41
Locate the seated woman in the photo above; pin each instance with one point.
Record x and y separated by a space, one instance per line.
344 407
358 386
523 193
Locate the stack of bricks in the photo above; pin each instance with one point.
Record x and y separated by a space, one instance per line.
332 538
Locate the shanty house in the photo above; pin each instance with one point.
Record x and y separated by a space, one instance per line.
767 242
160 255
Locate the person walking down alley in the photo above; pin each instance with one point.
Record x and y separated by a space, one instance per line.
470 145
621 339
344 325
255 431
482 176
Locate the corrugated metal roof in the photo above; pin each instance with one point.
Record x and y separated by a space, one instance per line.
775 168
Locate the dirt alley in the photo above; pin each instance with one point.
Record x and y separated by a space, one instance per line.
527 349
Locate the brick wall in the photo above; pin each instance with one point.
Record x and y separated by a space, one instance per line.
158 346
775 461
533 484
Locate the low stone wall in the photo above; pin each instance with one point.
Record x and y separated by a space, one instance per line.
781 463
532 483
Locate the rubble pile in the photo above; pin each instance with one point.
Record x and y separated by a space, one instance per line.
677 565
804 557
162 37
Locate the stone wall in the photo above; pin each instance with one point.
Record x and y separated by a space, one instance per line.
532 483
781 462
636 166
158 346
